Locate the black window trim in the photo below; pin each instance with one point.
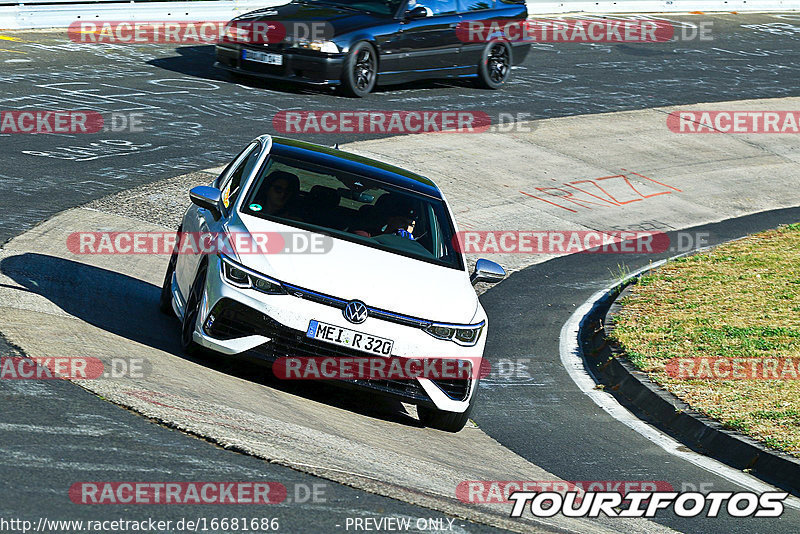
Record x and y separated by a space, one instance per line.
465 12
404 8
256 146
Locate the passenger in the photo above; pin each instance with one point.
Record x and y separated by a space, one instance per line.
281 189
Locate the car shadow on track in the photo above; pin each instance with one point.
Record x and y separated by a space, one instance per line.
128 307
198 61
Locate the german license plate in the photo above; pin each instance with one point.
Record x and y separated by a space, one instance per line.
350 338
262 57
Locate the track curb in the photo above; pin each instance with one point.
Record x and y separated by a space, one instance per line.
611 367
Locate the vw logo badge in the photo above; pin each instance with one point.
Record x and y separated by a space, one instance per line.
355 311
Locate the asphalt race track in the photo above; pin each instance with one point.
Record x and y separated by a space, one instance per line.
197 118
555 419
55 433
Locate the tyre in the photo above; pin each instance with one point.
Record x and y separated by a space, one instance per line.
447 421
192 310
495 66
360 70
165 302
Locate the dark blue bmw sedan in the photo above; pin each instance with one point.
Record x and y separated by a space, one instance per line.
358 44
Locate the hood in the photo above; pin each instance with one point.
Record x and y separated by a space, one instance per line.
341 20
380 279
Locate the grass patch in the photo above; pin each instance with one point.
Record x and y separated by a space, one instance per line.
739 300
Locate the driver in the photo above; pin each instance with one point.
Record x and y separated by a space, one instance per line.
400 222
397 215
413 3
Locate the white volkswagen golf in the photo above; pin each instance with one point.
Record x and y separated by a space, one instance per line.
388 281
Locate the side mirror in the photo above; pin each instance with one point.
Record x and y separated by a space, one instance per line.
419 12
487 271
208 198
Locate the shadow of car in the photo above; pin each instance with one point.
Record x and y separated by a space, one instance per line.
127 307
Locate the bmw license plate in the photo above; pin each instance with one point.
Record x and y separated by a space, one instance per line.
262 57
349 338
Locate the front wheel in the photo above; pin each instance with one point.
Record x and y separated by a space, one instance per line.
191 312
447 421
165 301
360 70
494 69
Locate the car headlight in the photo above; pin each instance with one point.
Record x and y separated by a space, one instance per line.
328 47
462 334
242 277
468 336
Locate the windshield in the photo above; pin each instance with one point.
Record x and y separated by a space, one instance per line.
354 208
382 7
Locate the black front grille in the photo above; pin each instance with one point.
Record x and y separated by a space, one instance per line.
313 296
232 319
338 303
287 342
408 390
456 389
263 68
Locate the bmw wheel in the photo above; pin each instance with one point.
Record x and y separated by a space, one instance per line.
360 70
495 66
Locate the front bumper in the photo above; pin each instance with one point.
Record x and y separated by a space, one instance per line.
519 51
268 327
297 66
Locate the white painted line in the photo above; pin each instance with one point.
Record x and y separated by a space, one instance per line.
572 360
44 14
